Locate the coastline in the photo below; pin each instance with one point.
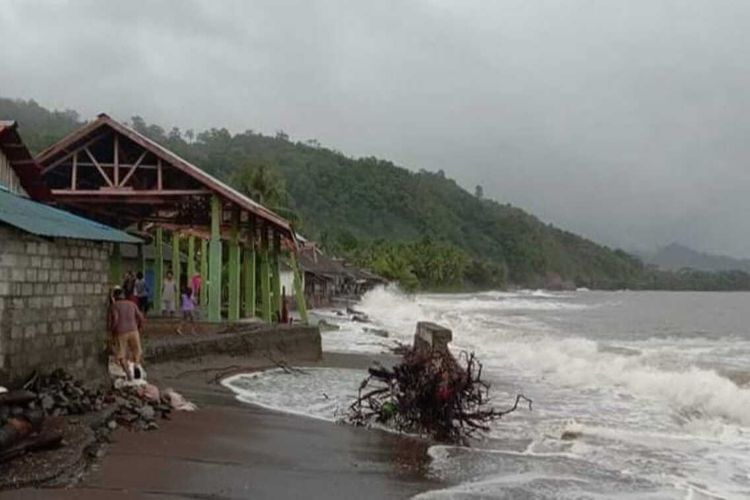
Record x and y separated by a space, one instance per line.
229 449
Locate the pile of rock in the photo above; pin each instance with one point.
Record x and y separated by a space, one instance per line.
135 407
139 410
59 394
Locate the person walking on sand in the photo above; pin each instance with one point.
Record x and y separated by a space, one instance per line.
188 310
169 295
126 322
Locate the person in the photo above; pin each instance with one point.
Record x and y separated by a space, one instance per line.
141 292
128 284
126 323
169 295
188 310
196 283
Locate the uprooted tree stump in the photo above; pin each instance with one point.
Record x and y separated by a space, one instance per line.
430 392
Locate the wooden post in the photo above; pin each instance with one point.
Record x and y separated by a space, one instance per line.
299 288
74 172
158 269
234 268
265 278
190 259
248 272
204 274
117 162
275 275
115 265
176 260
214 262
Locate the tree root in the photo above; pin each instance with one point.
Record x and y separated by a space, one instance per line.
434 394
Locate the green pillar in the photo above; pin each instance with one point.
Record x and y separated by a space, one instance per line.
275 277
234 268
248 271
191 258
214 262
265 278
299 291
204 273
115 265
158 268
176 258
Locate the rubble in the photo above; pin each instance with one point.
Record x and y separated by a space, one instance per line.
57 395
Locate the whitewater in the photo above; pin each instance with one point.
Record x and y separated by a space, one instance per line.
636 394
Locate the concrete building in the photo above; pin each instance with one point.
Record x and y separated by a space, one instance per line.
54 269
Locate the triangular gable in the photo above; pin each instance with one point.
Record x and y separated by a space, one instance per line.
55 156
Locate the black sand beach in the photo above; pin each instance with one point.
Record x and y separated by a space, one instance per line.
231 450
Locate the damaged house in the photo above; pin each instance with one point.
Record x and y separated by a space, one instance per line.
54 275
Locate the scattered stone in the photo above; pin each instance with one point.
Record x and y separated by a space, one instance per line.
571 435
147 412
48 402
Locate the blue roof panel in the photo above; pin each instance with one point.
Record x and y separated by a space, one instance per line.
43 220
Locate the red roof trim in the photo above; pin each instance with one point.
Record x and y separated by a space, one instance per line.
26 168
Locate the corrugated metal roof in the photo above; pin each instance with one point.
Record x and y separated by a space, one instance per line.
43 220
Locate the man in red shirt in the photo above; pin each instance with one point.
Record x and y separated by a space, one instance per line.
126 321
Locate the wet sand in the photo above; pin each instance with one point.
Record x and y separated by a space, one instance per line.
231 450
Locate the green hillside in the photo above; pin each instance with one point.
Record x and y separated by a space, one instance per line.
405 224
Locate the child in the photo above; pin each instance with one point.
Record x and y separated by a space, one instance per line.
188 310
168 295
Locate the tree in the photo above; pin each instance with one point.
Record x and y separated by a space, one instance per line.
265 184
479 191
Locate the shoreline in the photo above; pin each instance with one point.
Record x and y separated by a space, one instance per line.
231 449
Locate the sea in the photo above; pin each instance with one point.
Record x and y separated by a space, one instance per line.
635 394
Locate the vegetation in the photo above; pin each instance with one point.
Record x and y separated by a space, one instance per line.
419 228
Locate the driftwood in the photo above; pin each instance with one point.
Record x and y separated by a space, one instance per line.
17 398
429 393
43 441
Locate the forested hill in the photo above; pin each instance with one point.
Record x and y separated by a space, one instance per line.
415 224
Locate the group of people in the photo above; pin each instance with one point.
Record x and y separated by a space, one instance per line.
129 306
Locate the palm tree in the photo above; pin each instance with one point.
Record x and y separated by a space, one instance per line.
265 184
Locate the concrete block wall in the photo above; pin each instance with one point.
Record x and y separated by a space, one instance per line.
53 306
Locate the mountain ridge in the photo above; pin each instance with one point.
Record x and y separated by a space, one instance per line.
406 224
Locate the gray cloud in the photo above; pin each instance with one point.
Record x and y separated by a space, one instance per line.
625 121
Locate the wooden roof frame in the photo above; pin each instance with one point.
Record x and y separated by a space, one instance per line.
23 164
114 190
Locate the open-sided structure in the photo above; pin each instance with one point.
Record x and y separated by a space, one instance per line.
111 173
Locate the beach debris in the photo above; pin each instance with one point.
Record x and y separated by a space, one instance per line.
178 401
429 392
57 393
376 331
571 435
357 315
325 326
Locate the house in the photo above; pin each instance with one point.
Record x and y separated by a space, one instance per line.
54 269
327 279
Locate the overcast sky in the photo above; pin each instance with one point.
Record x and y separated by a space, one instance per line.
626 121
